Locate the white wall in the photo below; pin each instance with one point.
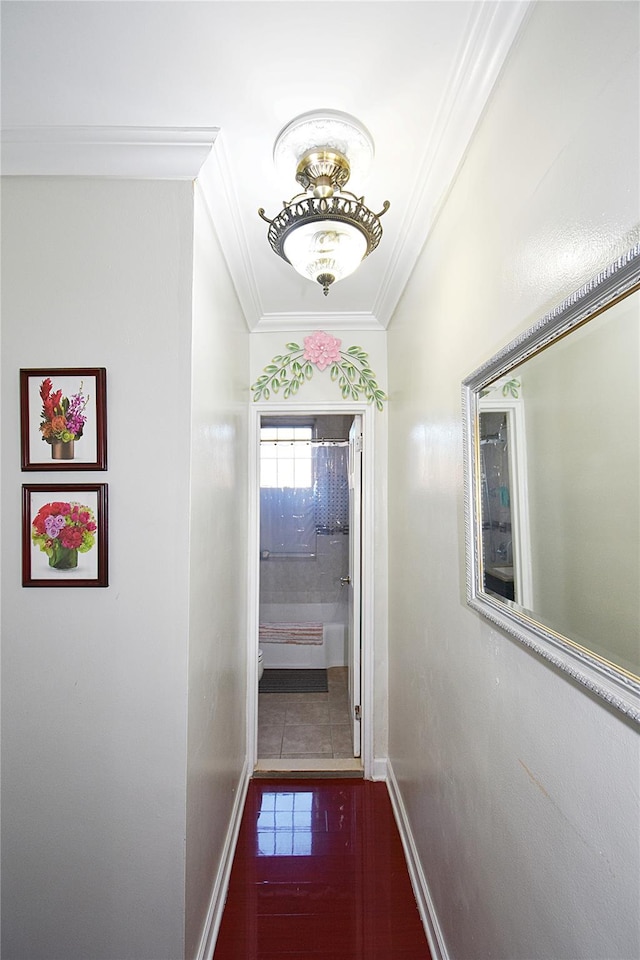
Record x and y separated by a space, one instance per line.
97 273
520 789
95 681
218 565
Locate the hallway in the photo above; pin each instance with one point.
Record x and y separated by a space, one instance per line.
319 872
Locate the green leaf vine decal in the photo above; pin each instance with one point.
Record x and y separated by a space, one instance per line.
350 369
511 388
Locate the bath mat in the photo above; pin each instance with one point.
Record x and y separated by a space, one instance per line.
291 632
293 681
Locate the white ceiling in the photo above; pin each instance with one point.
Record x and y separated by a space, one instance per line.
154 88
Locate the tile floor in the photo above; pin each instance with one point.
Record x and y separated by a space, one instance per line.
319 874
307 725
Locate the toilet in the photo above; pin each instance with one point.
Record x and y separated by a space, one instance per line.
260 665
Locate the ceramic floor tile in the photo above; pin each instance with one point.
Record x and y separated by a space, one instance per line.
303 697
271 710
314 711
306 710
337 676
339 711
270 740
306 739
341 740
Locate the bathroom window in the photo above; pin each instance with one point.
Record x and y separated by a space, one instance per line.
286 456
287 517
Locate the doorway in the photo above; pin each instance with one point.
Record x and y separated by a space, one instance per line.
308 591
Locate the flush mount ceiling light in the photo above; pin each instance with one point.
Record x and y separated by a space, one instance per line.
325 232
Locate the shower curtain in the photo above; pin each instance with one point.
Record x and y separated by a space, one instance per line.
291 517
331 489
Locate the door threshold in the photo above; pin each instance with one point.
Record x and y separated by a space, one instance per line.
309 768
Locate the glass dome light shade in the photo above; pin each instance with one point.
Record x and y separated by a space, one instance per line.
325 248
323 238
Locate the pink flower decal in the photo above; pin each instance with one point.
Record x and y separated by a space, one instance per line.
349 369
322 349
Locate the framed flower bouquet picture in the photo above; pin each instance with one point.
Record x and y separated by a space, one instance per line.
64 535
63 418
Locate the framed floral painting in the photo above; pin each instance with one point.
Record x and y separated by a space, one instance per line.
64 535
63 418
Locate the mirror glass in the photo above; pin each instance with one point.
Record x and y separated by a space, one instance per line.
553 479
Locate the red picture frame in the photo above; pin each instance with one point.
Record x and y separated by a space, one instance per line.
63 418
64 535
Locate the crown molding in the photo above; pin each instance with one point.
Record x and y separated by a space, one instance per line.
216 183
492 30
288 322
161 153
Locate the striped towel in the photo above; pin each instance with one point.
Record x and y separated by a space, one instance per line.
290 633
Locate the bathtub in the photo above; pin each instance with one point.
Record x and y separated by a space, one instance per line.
330 653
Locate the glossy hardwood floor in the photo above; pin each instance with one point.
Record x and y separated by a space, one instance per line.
319 872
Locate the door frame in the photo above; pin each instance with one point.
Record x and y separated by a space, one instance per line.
519 494
367 626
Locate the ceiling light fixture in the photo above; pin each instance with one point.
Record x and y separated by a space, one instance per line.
327 234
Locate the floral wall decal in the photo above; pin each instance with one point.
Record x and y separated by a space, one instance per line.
350 368
510 388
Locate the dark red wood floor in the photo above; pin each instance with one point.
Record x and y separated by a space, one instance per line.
319 872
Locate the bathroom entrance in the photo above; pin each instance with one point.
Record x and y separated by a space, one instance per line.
309 588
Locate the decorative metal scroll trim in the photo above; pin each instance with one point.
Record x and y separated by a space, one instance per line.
341 208
350 368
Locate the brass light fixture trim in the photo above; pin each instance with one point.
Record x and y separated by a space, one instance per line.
323 172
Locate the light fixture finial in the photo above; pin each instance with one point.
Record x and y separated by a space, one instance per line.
325 280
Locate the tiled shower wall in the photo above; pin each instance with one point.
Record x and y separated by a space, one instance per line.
308 580
301 581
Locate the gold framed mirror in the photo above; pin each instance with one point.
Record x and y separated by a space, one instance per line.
552 486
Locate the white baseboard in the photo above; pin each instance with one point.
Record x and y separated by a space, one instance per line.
379 768
221 883
418 880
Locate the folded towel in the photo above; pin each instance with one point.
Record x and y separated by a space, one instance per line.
291 633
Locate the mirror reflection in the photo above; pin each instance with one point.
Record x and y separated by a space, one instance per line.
579 404
553 523
497 526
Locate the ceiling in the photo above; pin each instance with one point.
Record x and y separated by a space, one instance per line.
156 88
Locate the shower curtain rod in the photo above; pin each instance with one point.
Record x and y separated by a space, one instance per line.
308 443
